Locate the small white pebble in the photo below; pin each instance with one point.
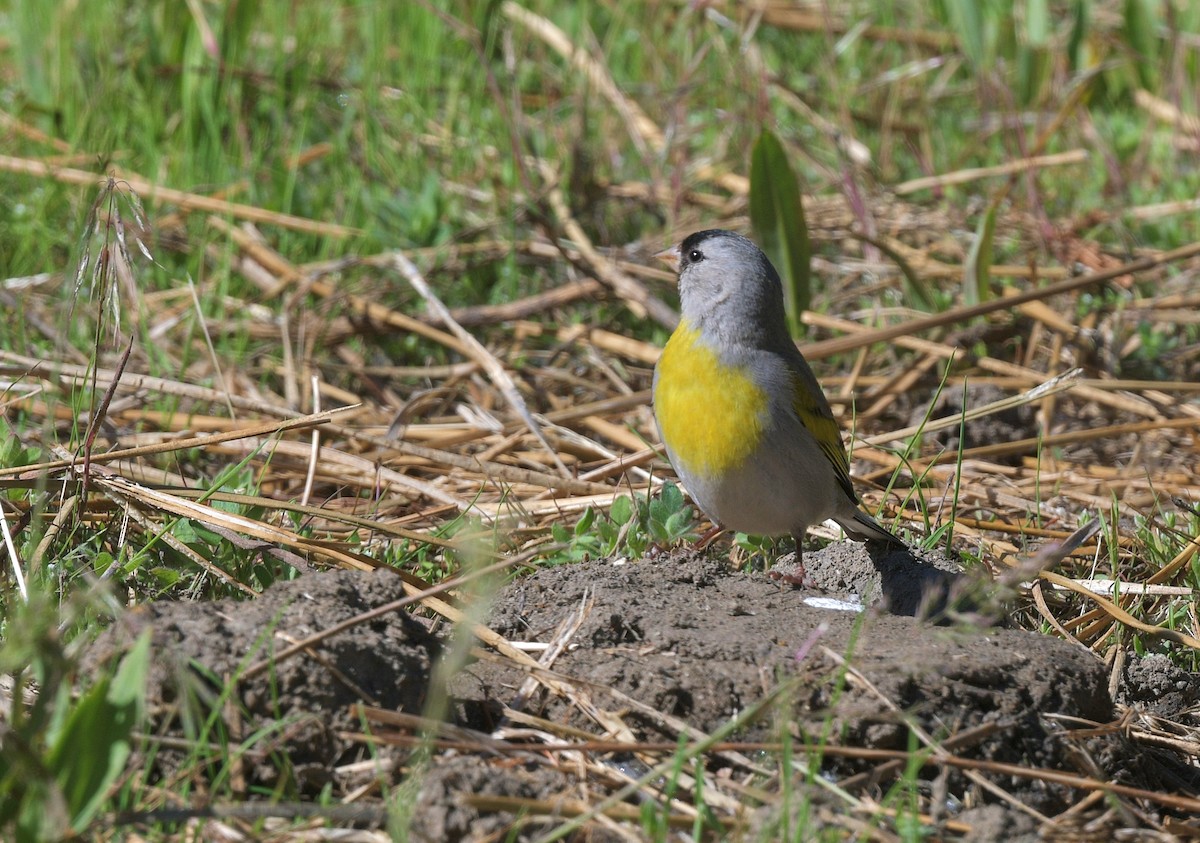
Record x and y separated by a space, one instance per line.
833 603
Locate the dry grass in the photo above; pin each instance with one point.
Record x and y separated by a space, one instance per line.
538 422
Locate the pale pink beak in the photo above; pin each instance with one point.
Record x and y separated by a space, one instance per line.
669 256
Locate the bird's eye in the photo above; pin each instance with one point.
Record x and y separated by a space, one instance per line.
695 256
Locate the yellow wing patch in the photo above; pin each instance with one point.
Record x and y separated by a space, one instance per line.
825 430
711 415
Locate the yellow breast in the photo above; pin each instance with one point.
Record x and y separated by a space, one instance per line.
711 415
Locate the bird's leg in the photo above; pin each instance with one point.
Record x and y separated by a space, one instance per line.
707 537
795 573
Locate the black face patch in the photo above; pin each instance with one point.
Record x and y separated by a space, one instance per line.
691 250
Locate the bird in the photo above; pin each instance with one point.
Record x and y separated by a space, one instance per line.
740 413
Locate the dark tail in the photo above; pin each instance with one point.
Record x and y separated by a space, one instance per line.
864 527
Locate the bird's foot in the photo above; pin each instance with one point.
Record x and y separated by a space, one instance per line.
790 571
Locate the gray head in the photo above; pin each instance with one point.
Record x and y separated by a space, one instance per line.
728 288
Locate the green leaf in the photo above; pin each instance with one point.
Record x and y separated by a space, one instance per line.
1033 60
1033 70
671 496
678 525
622 510
658 511
777 217
637 542
1037 23
609 535
585 521
658 531
1140 30
967 20
977 272
90 751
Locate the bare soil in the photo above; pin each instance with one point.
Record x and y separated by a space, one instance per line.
660 645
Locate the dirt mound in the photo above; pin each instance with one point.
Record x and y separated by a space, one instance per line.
299 704
698 642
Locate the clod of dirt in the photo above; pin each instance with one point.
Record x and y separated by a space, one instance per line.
1156 691
690 638
302 702
1156 685
992 823
443 814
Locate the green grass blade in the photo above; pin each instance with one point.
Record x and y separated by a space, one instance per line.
1141 35
967 20
1037 23
777 217
976 272
1077 47
1033 61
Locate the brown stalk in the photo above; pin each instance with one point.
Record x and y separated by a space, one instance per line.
840 345
188 201
261 429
